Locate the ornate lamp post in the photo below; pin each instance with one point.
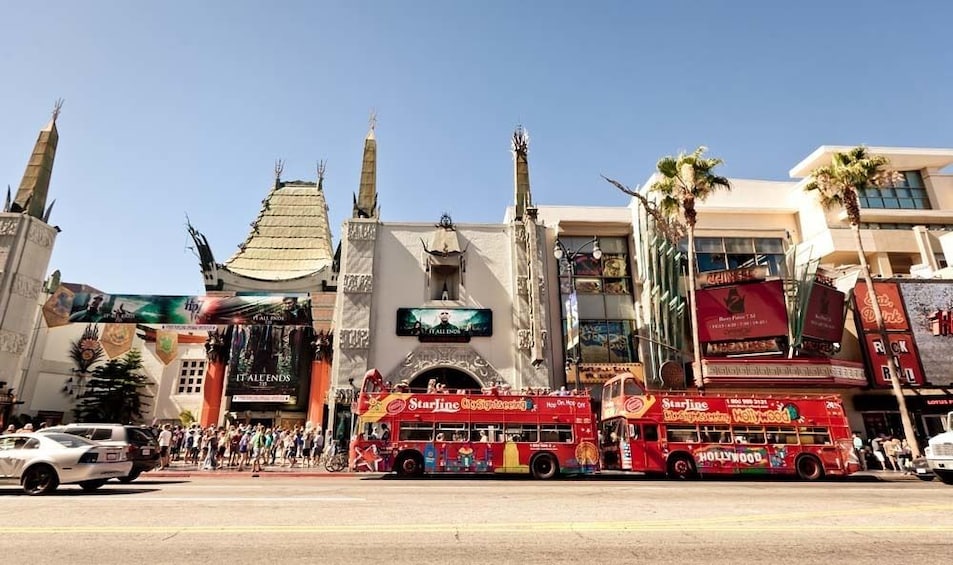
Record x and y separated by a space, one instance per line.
573 346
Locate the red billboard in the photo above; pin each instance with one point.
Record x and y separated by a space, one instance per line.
891 305
824 319
904 350
740 312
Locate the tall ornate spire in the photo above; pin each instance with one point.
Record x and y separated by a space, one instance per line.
524 198
365 203
31 196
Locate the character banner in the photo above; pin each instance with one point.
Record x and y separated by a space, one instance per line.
269 363
742 312
445 324
81 303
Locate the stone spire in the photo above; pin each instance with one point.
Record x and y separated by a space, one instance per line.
365 203
31 196
524 198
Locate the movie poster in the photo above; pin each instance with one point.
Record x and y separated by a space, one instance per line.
269 363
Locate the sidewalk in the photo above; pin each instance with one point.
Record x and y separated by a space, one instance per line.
178 469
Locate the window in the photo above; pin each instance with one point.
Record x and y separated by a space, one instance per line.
908 194
681 434
191 375
561 433
522 432
650 432
780 435
814 436
720 253
716 434
604 297
748 434
414 431
445 282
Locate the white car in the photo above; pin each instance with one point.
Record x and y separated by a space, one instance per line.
42 462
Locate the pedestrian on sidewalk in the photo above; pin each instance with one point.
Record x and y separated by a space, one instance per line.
859 451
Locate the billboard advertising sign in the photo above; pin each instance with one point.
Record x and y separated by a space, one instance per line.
445 324
904 350
742 312
269 363
891 305
928 305
731 276
824 319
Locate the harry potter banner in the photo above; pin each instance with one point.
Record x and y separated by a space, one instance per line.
82 303
117 339
167 345
269 363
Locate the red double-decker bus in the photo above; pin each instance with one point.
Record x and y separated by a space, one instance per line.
687 435
414 433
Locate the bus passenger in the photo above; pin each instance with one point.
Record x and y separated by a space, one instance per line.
439 437
483 437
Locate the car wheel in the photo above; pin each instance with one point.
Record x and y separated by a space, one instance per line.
40 479
90 486
130 477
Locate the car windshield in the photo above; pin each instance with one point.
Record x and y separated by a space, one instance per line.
67 440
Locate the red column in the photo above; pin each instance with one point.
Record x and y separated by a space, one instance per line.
317 397
212 393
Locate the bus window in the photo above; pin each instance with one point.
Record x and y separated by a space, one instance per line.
749 434
615 390
650 432
633 431
681 434
612 431
631 388
486 432
522 432
456 431
716 434
415 431
779 435
561 433
815 436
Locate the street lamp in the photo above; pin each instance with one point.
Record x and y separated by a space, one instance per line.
573 346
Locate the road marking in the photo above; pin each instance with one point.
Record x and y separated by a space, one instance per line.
148 498
729 523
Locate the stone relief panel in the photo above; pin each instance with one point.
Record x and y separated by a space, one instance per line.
520 233
27 287
41 235
361 231
524 339
358 283
522 285
354 338
430 356
12 342
8 226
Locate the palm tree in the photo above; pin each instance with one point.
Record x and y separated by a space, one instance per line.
115 392
683 181
838 186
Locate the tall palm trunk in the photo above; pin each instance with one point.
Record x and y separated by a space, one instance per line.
892 369
696 347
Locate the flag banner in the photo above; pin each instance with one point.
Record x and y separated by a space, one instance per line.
167 345
117 339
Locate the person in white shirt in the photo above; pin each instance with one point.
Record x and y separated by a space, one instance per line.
165 441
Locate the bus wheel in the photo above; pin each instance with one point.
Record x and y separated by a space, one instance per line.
809 468
681 467
544 466
410 464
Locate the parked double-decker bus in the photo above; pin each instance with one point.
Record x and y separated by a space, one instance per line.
414 433
687 435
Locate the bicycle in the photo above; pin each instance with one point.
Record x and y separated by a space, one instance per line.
335 460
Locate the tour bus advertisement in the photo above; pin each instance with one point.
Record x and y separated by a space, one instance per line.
417 433
684 435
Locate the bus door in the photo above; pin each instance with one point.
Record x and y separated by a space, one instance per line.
633 451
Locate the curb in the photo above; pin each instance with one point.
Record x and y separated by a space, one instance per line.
245 474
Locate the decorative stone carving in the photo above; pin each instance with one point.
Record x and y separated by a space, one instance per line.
431 356
9 227
520 233
323 346
41 235
354 338
12 342
216 346
26 286
358 284
524 339
361 231
522 285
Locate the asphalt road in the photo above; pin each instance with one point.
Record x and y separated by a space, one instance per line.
357 520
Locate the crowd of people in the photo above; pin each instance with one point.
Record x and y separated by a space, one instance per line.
883 452
243 446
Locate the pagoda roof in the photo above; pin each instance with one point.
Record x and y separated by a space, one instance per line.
290 238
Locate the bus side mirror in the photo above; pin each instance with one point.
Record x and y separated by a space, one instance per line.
633 433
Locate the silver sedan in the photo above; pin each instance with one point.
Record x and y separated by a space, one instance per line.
42 462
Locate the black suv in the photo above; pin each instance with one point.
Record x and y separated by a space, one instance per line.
140 443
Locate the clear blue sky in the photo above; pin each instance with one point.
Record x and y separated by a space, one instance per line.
176 108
